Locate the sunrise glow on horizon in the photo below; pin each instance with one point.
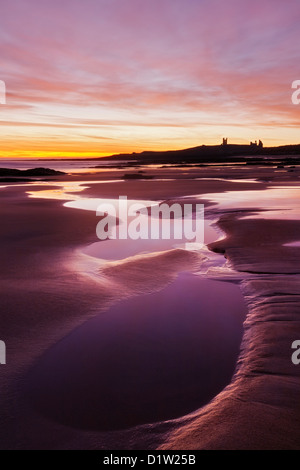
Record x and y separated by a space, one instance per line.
100 77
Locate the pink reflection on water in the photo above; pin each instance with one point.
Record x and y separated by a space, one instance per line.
292 244
63 190
121 249
279 202
154 357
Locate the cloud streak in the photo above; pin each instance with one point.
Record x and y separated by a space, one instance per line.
196 65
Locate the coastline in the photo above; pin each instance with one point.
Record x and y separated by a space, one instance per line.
49 249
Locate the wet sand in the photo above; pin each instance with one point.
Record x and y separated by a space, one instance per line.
260 409
43 299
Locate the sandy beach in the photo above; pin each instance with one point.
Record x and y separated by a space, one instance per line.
170 349
149 228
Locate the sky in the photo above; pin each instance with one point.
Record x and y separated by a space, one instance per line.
98 77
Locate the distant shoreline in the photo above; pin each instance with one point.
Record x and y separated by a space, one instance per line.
199 154
209 153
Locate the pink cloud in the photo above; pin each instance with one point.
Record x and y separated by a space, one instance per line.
185 61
